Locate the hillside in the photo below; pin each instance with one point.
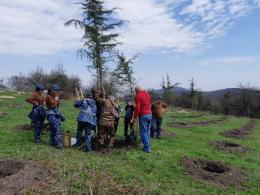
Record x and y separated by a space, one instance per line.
215 93
188 138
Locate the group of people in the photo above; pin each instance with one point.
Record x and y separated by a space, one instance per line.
96 113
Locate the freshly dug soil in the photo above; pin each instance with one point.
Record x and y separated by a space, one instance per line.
231 147
242 133
17 176
195 124
237 133
26 127
216 173
118 145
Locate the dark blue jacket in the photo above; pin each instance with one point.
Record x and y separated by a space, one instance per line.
88 111
37 113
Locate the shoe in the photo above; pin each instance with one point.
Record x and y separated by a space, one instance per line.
38 142
147 151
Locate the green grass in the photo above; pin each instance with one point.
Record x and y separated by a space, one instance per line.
157 173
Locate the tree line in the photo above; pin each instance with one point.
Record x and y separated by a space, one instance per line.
245 101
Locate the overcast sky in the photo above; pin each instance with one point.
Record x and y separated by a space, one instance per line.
216 42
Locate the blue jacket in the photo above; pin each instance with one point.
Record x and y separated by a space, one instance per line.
88 111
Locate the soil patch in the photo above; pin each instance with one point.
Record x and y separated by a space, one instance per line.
195 124
165 133
17 176
2 114
242 133
214 172
229 146
118 146
26 127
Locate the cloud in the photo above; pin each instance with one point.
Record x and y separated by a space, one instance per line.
231 60
31 27
36 27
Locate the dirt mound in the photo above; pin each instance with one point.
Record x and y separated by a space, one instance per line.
216 173
17 176
243 132
26 127
231 147
237 133
195 124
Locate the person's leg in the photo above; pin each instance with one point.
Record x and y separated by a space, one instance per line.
126 127
79 133
149 125
88 128
153 128
145 125
159 127
112 135
116 124
102 134
37 131
58 132
51 120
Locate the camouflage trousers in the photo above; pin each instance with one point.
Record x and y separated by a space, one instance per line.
38 127
55 130
106 132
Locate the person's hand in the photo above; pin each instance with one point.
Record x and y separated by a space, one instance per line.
57 98
133 120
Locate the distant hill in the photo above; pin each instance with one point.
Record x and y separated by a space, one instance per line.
221 92
212 94
177 91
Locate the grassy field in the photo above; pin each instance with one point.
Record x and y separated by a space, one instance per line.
130 170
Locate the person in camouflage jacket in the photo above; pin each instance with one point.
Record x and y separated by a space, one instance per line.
37 115
87 120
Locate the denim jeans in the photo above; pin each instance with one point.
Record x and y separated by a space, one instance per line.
145 131
156 127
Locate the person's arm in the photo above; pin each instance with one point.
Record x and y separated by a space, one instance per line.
164 105
137 106
32 100
78 104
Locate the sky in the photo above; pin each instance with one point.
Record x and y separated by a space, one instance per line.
215 42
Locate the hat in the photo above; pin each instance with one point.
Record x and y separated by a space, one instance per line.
88 94
39 87
55 87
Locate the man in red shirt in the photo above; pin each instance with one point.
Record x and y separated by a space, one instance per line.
143 111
